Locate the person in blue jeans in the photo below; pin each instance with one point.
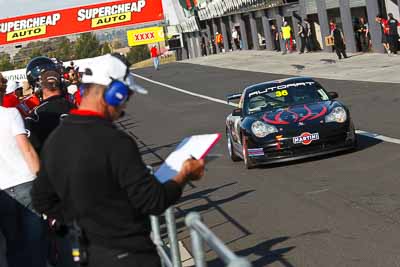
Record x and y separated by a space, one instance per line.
154 55
24 232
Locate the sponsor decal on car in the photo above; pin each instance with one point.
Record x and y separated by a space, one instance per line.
255 152
279 87
305 138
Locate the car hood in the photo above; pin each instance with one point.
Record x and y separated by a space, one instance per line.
298 113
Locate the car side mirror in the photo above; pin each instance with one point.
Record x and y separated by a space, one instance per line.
333 95
237 112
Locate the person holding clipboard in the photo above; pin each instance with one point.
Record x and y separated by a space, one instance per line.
100 182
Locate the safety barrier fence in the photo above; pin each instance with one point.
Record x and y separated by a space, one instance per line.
200 233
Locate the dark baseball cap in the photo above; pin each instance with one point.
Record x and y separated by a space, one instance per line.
50 79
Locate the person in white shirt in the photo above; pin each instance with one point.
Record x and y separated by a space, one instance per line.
235 37
22 230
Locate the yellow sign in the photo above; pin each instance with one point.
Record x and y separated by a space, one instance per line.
329 41
22 34
113 19
145 36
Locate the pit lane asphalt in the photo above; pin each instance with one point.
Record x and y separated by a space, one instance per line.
341 210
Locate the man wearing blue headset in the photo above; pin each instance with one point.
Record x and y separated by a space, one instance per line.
99 180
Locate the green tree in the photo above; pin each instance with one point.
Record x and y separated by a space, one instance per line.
64 49
105 48
87 45
116 44
138 53
5 62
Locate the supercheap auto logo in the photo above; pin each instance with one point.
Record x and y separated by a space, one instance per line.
25 28
114 14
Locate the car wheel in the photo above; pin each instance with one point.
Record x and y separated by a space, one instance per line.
231 150
247 161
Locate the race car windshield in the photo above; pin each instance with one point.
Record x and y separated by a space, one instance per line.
272 98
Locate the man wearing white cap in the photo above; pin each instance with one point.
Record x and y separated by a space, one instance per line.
99 181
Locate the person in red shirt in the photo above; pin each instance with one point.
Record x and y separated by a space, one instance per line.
10 99
154 56
385 32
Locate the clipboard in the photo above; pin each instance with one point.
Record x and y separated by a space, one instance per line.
196 146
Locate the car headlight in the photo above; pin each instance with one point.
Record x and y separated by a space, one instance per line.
261 129
338 114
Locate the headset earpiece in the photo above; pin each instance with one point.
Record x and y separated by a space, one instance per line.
116 94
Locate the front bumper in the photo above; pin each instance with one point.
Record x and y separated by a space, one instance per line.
283 149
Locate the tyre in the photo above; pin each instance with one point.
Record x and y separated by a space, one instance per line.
232 154
247 161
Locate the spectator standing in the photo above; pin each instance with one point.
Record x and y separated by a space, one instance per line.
339 42
115 217
23 232
286 35
10 99
220 41
385 33
46 117
203 47
308 35
235 38
275 36
332 26
155 56
301 33
363 32
393 34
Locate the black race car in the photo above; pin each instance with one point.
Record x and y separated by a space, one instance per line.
286 120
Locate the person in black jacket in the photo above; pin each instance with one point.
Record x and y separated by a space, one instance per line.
393 33
46 117
339 42
100 180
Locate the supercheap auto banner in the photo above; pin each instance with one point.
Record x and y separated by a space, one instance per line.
79 19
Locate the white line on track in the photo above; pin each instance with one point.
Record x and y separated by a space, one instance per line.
185 91
379 137
368 134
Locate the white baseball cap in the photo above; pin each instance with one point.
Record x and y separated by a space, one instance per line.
12 86
105 69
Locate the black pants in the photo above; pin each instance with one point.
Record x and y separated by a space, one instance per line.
237 43
309 43
303 44
364 43
393 42
277 45
104 257
340 50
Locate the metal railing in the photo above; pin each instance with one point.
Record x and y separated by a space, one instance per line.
199 232
170 256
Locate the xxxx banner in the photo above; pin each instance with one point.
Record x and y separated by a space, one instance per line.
145 36
79 20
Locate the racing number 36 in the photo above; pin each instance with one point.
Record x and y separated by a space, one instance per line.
281 93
